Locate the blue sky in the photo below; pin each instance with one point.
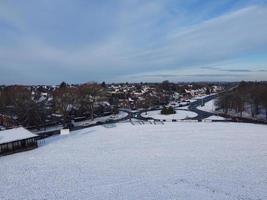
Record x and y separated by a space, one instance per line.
48 41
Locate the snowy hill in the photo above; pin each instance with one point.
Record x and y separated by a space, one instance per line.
208 106
184 160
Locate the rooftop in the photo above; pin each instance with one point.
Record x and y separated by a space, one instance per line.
15 134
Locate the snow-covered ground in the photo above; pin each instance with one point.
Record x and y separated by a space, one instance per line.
208 106
180 114
214 117
184 160
2 128
247 113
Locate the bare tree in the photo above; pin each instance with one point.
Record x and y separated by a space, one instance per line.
65 99
17 102
88 95
252 94
264 100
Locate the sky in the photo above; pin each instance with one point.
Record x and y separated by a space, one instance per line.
77 41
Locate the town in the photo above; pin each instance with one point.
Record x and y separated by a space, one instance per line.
133 100
36 107
53 110
61 121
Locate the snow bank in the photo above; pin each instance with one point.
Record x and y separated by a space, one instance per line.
201 161
208 107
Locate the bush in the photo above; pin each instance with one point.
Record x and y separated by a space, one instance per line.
167 110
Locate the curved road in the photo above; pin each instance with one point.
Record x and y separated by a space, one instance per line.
201 114
192 107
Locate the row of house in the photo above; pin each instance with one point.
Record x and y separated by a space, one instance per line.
134 96
130 96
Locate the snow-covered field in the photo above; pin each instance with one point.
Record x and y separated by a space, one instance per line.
184 160
208 106
180 114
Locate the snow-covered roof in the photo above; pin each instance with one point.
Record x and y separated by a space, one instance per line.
15 134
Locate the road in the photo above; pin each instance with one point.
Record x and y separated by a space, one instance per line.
201 114
192 107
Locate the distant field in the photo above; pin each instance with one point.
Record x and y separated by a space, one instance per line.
172 161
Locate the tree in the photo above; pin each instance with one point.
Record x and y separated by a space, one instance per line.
238 103
167 110
63 85
263 98
103 84
2 101
17 102
114 100
255 100
165 85
88 96
65 99
252 94
208 91
224 102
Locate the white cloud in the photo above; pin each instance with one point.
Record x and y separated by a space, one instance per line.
139 44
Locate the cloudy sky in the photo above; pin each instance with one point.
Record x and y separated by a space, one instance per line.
48 41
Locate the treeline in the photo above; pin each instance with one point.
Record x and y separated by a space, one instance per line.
81 101
17 103
33 106
180 88
22 103
247 96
